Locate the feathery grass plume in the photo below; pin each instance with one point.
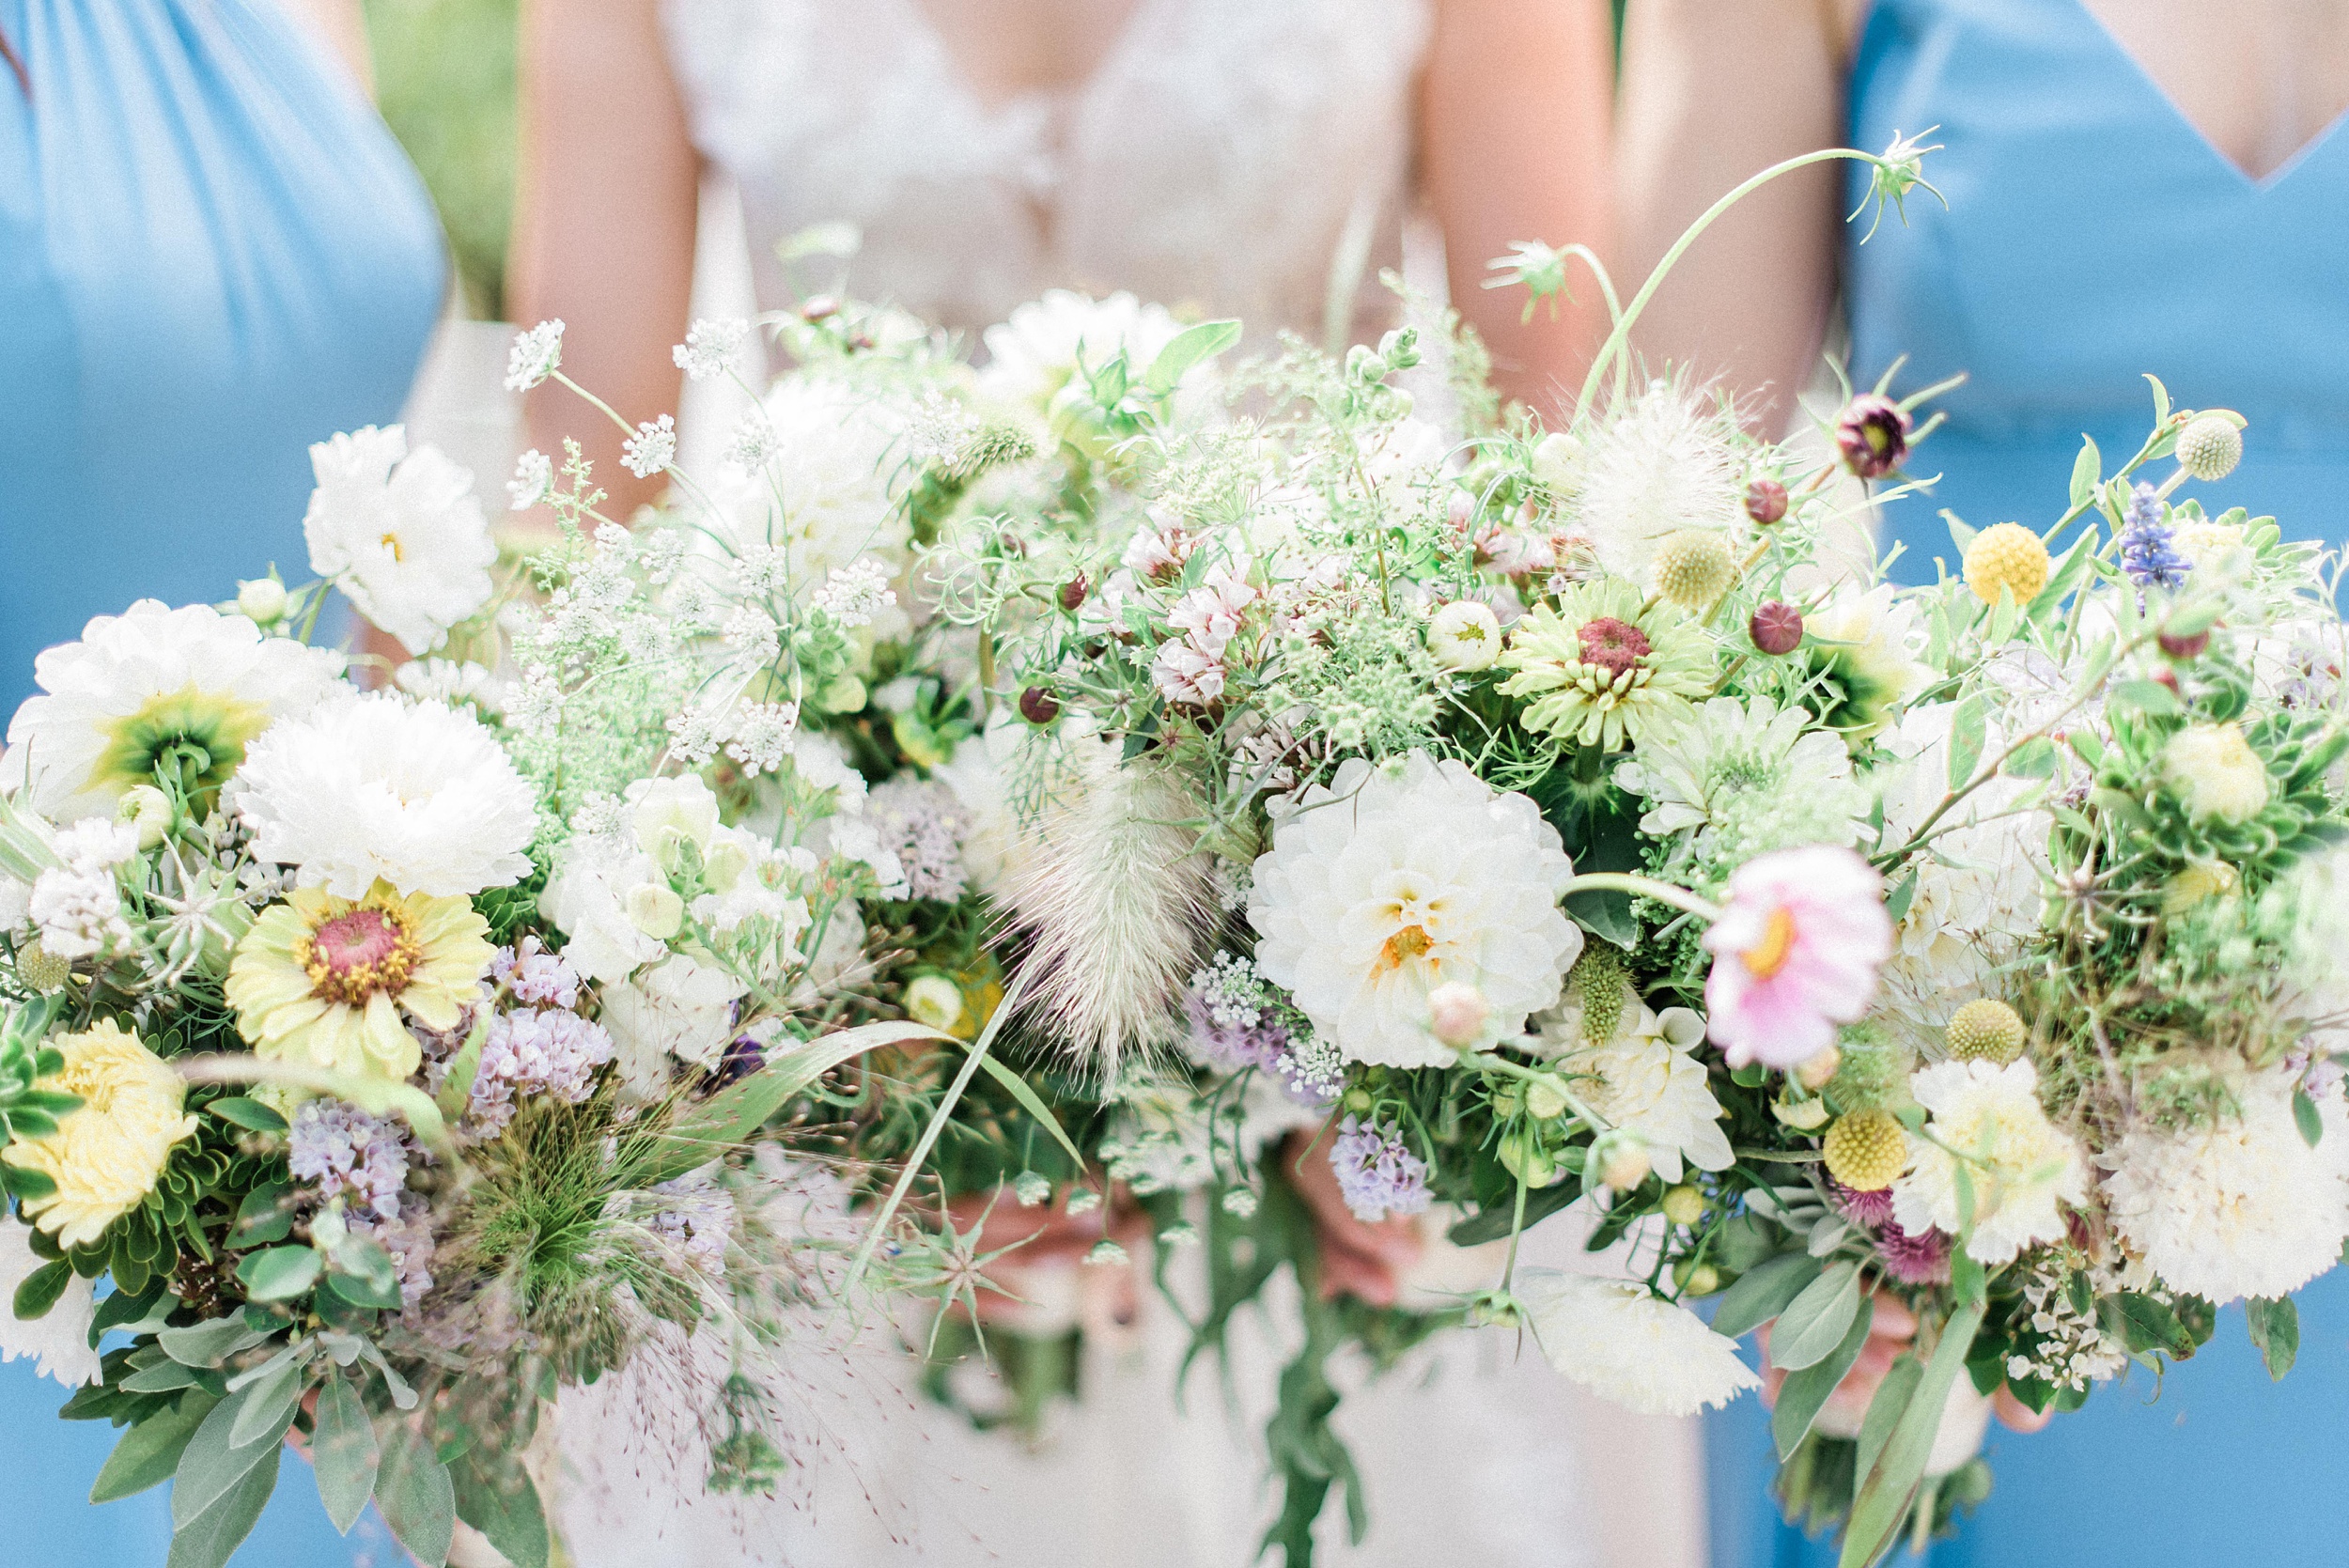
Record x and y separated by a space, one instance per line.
1665 462
1117 900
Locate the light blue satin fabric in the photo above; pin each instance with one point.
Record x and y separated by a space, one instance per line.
2093 235
211 254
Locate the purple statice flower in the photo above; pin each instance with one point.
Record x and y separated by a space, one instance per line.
530 974
2146 551
1861 1208
925 826
535 1052
351 1155
1913 1260
697 1218
407 1237
1376 1174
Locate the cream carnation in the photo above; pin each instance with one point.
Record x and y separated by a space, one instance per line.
1387 883
2020 1166
417 795
1625 1345
1645 1078
185 690
400 533
2242 1206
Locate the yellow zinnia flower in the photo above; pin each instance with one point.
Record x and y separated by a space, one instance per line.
324 981
106 1154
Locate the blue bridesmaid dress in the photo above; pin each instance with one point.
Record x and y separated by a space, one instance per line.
2093 235
211 254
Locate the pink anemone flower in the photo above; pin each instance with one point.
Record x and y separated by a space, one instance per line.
1795 953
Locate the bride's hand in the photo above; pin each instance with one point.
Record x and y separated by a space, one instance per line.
1889 1333
1358 1258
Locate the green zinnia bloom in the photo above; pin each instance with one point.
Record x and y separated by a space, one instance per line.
1603 671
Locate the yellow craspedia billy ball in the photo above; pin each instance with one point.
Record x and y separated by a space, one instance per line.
1985 1031
1694 566
2209 447
1867 1150
106 1155
2010 557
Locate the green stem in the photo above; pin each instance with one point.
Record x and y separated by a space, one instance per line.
1643 887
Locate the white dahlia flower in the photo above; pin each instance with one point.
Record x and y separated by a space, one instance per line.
1625 1345
2242 1206
1645 1079
186 690
400 533
2020 1165
416 794
1035 354
59 1339
1385 884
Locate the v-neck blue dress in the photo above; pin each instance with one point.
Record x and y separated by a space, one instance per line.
211 254
2093 235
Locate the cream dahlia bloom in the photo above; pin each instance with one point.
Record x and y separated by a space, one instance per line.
2020 1165
1645 1079
1035 354
400 533
1385 884
105 1156
185 689
1623 1344
418 794
59 1339
2242 1206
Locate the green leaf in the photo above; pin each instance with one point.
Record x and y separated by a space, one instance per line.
1966 1277
1188 348
456 1087
279 1273
1033 1103
1494 1220
2149 1324
151 1451
21 1180
2275 1330
413 1490
265 1215
250 1115
1968 728
2146 697
205 1539
1884 1411
39 1291
1814 1323
2034 758
719 1124
1800 1399
1960 534
495 1495
2161 400
2088 471
214 1467
2303 1112
163 1378
1881 1501
270 1399
1762 1292
344 1452
207 1344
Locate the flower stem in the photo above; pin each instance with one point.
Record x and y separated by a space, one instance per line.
1643 887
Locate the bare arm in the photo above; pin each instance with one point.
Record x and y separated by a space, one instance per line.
603 231
338 24
1515 111
1716 90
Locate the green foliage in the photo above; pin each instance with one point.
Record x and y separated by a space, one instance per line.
444 80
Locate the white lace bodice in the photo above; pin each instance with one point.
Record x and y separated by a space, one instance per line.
1242 158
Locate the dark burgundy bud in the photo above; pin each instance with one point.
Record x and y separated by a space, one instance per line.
2185 649
1012 545
1873 435
820 307
1765 501
1038 706
1072 593
2167 676
1776 628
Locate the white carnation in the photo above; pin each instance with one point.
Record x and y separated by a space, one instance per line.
1645 1078
1388 882
400 533
2242 1206
1625 1345
2020 1166
59 1339
418 794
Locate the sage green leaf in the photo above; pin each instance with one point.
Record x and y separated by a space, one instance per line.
344 1453
1884 1411
1188 348
1761 1292
2088 469
279 1273
495 1495
2303 1112
162 1378
207 1345
412 1488
150 1451
1883 1496
2276 1330
457 1085
212 1466
270 1401
250 1115
39 1291
1814 1323
1806 1392
2149 1324
206 1538
265 1215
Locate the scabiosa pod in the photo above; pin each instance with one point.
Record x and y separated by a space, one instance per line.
1873 434
1377 1174
1796 952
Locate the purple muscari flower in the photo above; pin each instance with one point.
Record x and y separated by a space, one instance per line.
536 1051
349 1154
1376 1174
1862 1208
2146 551
1914 1260
532 974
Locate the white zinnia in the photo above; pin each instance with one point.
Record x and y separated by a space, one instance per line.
417 794
60 1339
2242 1206
1385 884
400 533
1623 1344
2020 1166
150 678
1645 1079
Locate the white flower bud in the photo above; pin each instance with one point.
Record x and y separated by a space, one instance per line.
263 601
1464 635
1622 1158
1457 1015
149 810
656 911
935 1000
1543 1102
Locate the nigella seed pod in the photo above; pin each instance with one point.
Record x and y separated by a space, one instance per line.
2185 648
1776 628
1872 436
1765 501
1072 593
1038 706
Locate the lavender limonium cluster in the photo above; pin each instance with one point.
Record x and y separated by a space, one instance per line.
1377 1175
349 1154
547 1049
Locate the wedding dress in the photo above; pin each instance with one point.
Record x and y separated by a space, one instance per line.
1241 158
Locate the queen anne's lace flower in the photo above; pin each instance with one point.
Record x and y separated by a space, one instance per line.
536 353
1385 884
652 448
533 479
78 903
2020 1167
2242 1205
400 533
710 348
818 490
1625 1345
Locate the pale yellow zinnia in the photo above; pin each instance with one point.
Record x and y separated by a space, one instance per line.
106 1154
329 982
